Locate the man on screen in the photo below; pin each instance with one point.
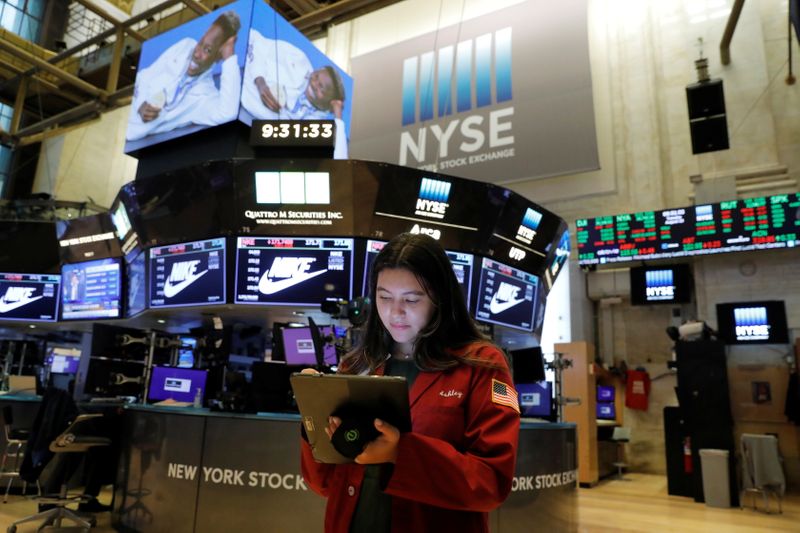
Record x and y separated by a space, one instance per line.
281 83
178 88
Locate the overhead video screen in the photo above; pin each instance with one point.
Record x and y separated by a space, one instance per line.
292 271
506 295
92 289
762 223
191 273
32 297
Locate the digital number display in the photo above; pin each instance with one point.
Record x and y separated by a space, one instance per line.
293 133
738 225
293 271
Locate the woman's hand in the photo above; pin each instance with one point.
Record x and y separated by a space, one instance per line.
384 448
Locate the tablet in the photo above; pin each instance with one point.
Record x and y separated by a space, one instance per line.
319 396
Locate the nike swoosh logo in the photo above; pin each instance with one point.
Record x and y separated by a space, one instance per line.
267 286
171 290
6 307
496 306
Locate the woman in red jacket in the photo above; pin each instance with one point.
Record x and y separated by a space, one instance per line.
457 462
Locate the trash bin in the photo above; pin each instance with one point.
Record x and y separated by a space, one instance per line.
716 483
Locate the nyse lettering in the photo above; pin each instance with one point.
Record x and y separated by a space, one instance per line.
759 331
653 292
472 136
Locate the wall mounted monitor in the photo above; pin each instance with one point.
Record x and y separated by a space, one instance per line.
558 259
191 273
136 288
506 295
668 284
29 297
535 399
527 365
762 322
62 360
173 383
92 289
293 271
605 393
760 223
298 347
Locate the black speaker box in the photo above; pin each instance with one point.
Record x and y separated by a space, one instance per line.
705 99
709 134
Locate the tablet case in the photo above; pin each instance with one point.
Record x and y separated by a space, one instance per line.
320 396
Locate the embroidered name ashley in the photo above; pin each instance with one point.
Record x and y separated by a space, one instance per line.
451 393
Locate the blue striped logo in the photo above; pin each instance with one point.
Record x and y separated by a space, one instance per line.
466 69
434 190
659 285
751 323
532 219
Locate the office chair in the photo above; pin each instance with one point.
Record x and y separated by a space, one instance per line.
621 436
16 440
48 438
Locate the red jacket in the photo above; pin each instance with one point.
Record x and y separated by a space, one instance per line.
456 464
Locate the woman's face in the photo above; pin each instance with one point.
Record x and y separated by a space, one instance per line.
403 306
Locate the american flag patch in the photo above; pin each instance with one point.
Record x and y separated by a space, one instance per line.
504 395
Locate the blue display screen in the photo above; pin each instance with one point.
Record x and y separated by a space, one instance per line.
30 297
191 273
293 271
137 286
91 289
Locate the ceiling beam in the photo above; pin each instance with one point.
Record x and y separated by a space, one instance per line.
104 14
51 69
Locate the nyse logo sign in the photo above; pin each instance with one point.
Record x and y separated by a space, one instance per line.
440 99
751 323
530 223
659 285
432 200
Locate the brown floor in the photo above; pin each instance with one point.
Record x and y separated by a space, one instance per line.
640 504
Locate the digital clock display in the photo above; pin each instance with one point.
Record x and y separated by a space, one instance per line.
738 225
293 133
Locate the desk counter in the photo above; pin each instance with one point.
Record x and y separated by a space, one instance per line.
191 470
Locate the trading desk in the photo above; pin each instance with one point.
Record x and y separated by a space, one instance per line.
191 470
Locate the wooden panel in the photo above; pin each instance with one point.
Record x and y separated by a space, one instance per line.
578 381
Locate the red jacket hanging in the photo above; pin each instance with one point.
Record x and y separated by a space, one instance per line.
456 464
637 390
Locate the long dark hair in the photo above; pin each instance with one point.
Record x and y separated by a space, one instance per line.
451 325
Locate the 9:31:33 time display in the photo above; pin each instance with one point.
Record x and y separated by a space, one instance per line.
298 130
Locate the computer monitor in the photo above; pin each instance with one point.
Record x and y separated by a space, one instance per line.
606 411
298 346
527 365
667 284
269 386
137 286
173 383
535 399
92 289
62 360
605 393
186 352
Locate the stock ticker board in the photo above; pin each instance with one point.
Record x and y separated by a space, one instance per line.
763 223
